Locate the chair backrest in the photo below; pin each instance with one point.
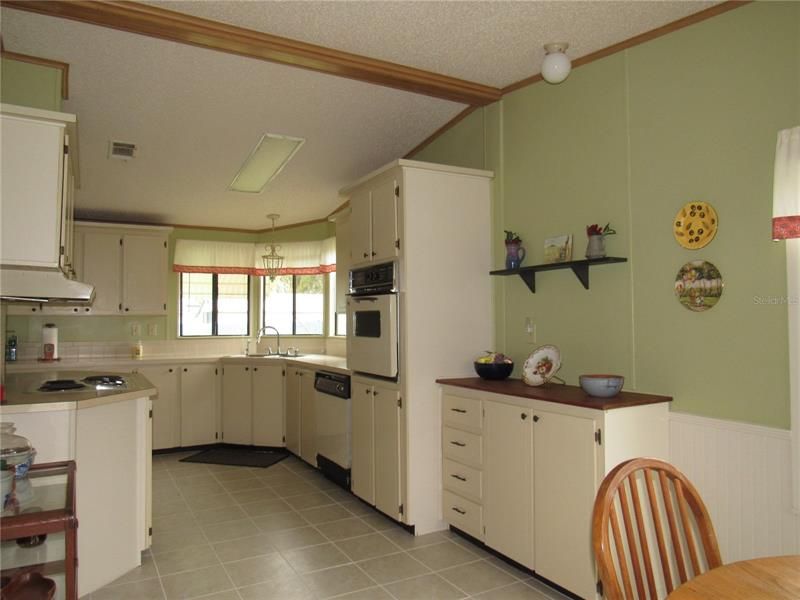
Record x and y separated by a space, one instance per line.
650 531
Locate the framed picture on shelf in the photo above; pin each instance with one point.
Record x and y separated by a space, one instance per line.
558 249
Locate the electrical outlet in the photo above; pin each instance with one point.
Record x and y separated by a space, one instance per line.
152 329
530 330
136 330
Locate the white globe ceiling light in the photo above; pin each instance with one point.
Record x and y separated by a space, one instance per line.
556 65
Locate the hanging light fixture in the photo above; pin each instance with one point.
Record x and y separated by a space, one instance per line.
272 261
556 65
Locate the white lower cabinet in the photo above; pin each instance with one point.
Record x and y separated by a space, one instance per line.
376 424
237 405
166 405
198 416
268 413
185 407
521 474
300 414
508 505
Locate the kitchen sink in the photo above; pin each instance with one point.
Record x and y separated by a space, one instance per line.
273 355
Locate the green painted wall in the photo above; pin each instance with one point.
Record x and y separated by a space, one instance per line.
463 144
28 84
629 139
118 328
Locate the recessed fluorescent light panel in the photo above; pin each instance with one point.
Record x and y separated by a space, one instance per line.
265 161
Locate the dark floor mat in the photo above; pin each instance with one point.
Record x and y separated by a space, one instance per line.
238 457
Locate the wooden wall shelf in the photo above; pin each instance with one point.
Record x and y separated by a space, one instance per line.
579 267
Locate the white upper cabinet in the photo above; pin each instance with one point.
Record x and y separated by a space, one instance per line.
35 187
128 267
144 269
373 221
99 263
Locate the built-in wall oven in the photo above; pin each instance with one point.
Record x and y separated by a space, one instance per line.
372 314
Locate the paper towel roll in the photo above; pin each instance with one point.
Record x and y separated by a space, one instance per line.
50 342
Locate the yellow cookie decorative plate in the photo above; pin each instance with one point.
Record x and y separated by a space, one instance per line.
695 225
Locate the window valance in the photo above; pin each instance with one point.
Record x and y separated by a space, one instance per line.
300 258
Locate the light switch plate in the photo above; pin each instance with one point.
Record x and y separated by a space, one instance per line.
136 329
152 329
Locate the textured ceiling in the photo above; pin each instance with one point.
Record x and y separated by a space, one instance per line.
196 114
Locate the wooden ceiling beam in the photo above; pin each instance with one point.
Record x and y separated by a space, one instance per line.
186 29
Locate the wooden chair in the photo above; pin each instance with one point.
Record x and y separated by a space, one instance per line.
649 520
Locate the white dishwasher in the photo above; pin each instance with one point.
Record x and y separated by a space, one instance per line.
334 437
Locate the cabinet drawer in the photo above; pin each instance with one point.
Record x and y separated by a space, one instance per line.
461 412
462 446
463 514
462 479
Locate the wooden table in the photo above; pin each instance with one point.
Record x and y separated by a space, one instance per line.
776 578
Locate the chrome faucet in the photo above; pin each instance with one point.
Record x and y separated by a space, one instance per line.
277 335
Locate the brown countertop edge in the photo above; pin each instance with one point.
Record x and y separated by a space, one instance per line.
552 392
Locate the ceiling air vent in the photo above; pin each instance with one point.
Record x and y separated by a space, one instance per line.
122 150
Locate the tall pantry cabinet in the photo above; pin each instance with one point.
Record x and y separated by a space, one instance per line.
434 221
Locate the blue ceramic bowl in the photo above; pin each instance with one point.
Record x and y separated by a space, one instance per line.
601 386
494 370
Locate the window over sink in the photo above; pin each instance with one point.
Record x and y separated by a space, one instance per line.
214 304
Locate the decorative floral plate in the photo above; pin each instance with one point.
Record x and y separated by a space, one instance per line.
698 285
695 225
542 365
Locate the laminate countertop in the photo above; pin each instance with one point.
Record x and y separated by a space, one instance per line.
552 392
21 393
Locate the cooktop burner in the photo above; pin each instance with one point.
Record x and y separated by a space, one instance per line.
109 380
60 385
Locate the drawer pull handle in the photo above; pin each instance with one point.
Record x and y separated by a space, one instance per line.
459 410
459 477
457 443
459 510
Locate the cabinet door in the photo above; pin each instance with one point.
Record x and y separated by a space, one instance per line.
564 490
360 227
384 221
144 261
308 422
268 405
362 470
31 189
101 265
387 450
236 405
67 209
508 456
293 391
166 406
198 405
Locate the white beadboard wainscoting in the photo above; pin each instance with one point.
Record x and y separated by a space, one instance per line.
744 474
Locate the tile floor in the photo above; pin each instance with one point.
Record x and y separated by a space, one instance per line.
285 532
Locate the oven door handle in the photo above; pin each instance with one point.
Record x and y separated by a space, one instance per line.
364 299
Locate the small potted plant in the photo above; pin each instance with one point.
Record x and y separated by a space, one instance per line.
596 248
515 253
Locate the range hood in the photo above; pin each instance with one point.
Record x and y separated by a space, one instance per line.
42 285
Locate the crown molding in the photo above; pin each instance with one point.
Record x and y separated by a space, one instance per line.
169 25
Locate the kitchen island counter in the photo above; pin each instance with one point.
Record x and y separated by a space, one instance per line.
22 395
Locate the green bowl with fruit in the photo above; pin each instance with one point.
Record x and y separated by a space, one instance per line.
494 365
